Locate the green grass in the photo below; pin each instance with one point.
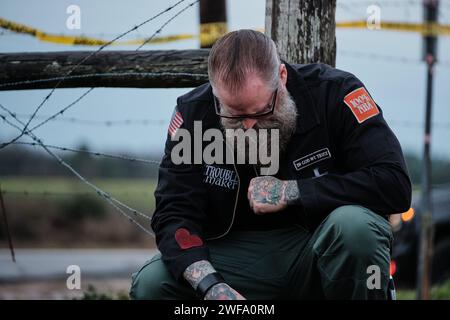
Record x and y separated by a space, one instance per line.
440 292
137 193
55 212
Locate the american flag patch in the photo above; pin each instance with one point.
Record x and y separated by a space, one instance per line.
175 123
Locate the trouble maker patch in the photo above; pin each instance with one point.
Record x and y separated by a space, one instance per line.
361 104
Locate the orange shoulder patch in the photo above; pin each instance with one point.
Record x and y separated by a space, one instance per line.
361 104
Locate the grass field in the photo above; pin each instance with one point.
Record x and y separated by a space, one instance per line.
439 292
137 193
44 196
65 212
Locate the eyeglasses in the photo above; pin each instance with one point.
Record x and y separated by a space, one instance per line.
267 110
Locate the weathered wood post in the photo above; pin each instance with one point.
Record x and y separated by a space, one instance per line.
304 30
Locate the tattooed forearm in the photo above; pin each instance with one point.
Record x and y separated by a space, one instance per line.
222 291
291 192
197 271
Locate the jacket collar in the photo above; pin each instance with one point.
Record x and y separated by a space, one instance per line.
307 114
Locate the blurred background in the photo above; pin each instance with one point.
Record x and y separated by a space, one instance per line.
56 220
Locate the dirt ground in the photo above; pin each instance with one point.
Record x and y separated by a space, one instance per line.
116 288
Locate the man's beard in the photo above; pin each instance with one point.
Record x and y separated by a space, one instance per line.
284 118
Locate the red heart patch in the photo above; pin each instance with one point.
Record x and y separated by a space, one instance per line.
187 240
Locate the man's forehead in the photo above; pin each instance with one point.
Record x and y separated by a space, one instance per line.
253 91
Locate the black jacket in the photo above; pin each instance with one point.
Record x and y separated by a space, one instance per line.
341 153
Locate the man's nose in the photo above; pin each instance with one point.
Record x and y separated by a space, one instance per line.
249 123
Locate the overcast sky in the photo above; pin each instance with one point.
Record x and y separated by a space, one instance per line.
399 88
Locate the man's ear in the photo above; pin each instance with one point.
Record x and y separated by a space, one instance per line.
283 73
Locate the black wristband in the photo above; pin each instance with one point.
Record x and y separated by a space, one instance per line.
207 282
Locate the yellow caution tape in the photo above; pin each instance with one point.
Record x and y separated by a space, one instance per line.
431 29
82 40
171 38
210 32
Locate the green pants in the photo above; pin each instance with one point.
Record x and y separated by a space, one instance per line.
341 259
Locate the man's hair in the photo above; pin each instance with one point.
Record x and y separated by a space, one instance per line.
239 53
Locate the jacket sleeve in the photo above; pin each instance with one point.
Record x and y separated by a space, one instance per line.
373 172
179 212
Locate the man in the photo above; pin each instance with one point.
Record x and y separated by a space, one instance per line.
315 229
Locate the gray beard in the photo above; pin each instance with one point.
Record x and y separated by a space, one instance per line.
284 119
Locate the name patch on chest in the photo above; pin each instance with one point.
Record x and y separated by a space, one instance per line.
220 177
312 158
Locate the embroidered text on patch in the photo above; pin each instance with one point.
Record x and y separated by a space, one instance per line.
312 158
361 104
220 177
175 123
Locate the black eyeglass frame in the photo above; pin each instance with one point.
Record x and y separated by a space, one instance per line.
247 116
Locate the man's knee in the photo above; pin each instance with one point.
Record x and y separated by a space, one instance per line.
350 242
148 283
359 232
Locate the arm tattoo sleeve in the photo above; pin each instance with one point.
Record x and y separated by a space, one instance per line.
291 192
197 271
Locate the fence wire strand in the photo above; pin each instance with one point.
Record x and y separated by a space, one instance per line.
94 153
111 200
25 128
107 123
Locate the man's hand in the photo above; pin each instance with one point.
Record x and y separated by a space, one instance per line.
222 291
195 273
268 194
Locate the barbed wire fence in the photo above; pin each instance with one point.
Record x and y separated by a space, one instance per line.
64 77
94 153
96 123
117 204
24 126
153 122
25 130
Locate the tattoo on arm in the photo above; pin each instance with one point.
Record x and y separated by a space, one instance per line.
291 192
197 271
222 291
268 190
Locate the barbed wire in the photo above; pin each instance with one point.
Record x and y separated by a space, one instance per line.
389 58
412 124
166 23
107 123
111 200
134 36
350 6
47 193
84 60
199 76
24 131
78 99
151 122
94 153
